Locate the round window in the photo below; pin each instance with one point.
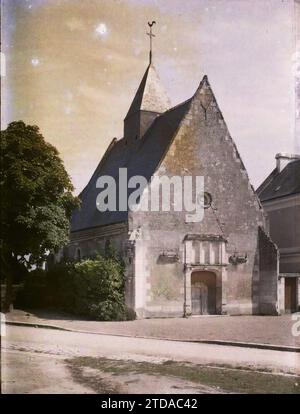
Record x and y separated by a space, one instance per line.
207 200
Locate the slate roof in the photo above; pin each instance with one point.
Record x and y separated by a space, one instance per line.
281 184
141 159
150 95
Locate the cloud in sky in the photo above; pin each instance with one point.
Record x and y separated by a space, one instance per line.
245 47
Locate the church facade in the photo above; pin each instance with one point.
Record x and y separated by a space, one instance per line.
224 264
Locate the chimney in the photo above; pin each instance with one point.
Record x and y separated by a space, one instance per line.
282 159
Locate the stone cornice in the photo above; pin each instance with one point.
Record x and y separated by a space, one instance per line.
99 232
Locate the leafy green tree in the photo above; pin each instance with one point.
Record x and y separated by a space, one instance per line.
36 200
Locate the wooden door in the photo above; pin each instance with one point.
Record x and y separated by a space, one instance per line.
290 294
199 299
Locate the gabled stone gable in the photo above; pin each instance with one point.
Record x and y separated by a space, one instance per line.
203 146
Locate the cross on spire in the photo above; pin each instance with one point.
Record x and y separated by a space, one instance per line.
150 37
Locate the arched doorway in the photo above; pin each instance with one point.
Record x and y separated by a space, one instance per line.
203 285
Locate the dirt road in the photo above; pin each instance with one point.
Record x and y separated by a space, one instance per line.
50 361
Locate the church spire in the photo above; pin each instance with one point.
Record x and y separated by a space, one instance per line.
150 96
150 100
150 34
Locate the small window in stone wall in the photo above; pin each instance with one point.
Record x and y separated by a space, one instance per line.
196 252
215 252
206 255
78 254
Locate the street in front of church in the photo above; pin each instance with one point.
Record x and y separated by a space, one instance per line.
105 364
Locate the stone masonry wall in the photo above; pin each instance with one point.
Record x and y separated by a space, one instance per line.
202 146
268 273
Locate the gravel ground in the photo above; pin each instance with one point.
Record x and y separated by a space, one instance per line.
275 330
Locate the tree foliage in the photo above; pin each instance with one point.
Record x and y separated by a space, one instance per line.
36 196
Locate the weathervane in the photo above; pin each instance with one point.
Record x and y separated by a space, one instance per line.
150 36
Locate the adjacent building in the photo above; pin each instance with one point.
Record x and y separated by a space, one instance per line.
280 196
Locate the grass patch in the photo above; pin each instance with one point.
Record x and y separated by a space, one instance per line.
92 380
223 378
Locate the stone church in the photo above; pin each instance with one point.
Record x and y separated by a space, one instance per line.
224 264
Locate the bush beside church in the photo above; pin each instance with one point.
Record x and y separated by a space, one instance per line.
93 288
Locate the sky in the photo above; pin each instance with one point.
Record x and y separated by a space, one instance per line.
73 66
